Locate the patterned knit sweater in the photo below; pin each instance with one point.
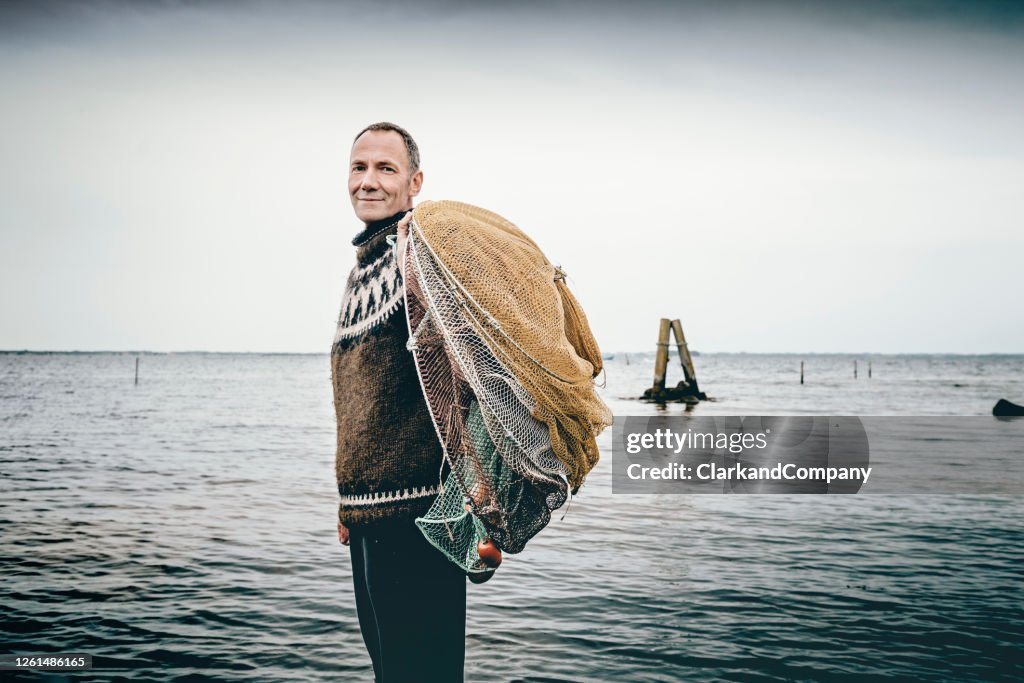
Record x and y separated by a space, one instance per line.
388 456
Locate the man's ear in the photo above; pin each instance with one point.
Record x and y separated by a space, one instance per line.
415 183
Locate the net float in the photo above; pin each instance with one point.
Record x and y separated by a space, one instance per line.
489 553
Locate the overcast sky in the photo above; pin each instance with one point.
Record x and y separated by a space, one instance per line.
780 176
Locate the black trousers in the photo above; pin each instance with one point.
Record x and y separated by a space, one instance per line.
411 602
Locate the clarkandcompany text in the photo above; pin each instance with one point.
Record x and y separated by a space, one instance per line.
711 471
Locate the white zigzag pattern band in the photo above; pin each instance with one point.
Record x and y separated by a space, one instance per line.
357 296
388 496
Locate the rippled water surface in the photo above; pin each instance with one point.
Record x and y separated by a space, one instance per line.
184 529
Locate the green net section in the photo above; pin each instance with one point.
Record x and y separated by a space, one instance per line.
449 525
484 498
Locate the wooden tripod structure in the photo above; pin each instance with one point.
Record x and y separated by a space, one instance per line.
688 389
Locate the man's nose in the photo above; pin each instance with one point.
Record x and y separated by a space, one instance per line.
370 180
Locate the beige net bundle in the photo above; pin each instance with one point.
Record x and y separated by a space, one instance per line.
507 362
541 332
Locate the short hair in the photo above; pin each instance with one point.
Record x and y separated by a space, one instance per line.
411 148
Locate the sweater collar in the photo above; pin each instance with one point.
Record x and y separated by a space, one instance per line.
376 227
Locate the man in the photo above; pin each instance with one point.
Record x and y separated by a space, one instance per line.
410 599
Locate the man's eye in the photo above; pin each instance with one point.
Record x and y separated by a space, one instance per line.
357 167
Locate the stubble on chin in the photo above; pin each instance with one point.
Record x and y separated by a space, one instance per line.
368 212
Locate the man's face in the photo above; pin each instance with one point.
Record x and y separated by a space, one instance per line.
379 181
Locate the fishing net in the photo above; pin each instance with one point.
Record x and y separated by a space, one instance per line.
507 360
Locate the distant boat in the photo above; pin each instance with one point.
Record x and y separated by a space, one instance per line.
1004 408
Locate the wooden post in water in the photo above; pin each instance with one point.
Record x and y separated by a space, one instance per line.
661 360
136 370
801 372
855 369
869 369
689 374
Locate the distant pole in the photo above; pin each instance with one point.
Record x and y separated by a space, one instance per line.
627 359
869 369
801 372
136 370
855 369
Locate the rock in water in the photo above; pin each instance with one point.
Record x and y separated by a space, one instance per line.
1004 408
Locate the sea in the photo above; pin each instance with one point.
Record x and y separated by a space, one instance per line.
182 528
